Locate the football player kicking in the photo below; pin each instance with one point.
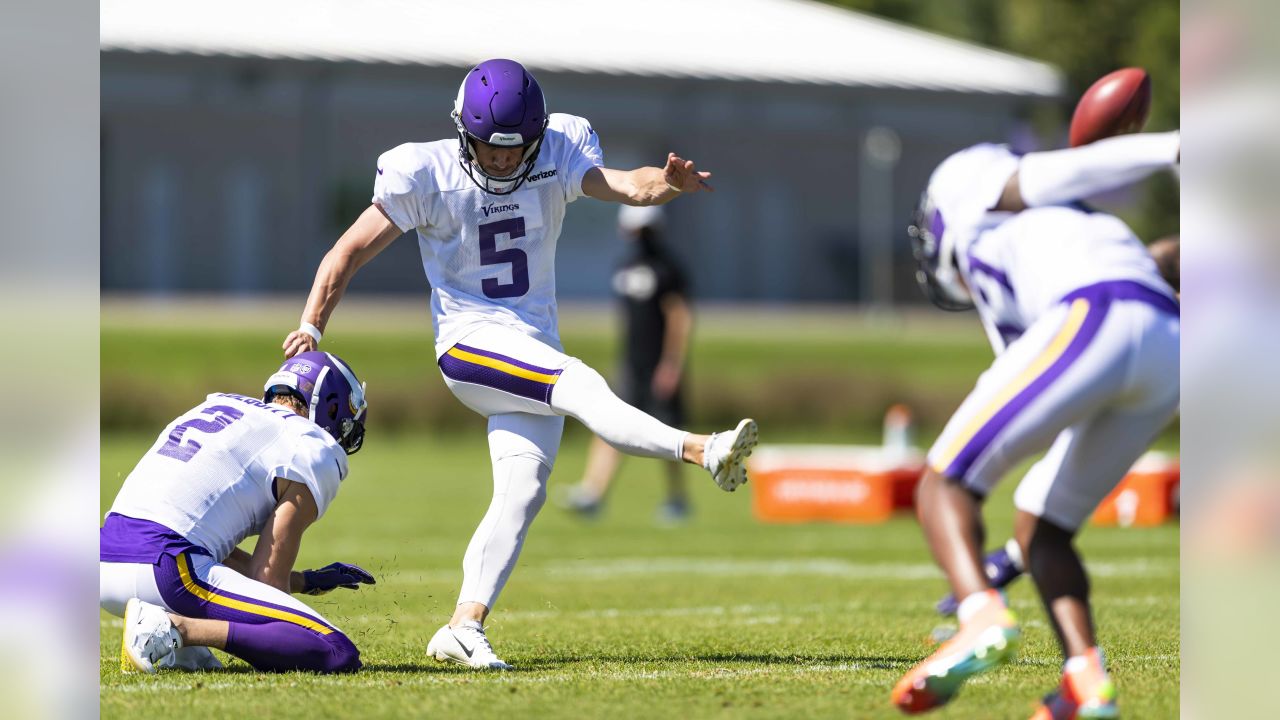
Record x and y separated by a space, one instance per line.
1086 334
232 467
488 208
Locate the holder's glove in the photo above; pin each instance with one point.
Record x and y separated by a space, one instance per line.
334 575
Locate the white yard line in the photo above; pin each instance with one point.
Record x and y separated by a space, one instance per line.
821 567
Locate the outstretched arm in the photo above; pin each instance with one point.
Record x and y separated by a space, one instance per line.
1060 176
371 233
646 185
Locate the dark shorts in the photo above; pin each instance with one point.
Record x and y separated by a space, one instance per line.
637 390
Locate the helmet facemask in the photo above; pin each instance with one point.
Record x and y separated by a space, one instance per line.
937 271
491 183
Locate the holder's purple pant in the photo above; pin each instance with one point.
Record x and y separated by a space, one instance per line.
268 629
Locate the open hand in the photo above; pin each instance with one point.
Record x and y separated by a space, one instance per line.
681 175
298 342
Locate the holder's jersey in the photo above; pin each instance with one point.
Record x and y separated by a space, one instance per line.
210 475
1018 265
489 258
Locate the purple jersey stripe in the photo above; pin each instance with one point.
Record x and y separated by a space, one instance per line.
183 602
469 372
991 271
978 444
1009 332
506 359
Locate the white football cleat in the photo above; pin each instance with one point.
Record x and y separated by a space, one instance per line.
726 454
149 640
467 645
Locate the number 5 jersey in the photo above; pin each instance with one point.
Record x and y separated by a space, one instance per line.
209 477
489 258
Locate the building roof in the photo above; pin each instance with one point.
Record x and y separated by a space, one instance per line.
790 41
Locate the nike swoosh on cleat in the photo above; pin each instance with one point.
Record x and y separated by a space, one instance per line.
462 645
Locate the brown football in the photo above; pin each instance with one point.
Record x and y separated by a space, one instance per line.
1116 104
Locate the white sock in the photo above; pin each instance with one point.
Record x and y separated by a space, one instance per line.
1076 663
519 491
971 605
1061 176
1014 550
583 394
706 452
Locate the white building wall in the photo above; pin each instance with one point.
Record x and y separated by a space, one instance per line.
268 160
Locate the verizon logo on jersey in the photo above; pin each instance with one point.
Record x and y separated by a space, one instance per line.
542 175
495 209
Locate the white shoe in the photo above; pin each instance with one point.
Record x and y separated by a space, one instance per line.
726 454
195 658
467 645
150 640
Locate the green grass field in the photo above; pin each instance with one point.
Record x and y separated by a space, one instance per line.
725 617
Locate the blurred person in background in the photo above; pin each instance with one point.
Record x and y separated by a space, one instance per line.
1086 334
229 468
657 322
487 207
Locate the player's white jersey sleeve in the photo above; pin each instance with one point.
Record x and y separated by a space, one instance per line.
967 185
405 187
315 461
578 151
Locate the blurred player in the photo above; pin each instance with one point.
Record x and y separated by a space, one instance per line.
232 467
658 322
1086 334
1004 565
488 207
1167 252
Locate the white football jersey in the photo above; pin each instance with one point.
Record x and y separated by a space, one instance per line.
1018 265
210 475
489 258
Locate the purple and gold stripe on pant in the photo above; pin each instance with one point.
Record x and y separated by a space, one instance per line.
205 601
490 369
1086 309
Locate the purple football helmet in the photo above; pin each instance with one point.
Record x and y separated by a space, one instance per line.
333 396
499 103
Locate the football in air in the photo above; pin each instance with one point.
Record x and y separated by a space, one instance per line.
1118 103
